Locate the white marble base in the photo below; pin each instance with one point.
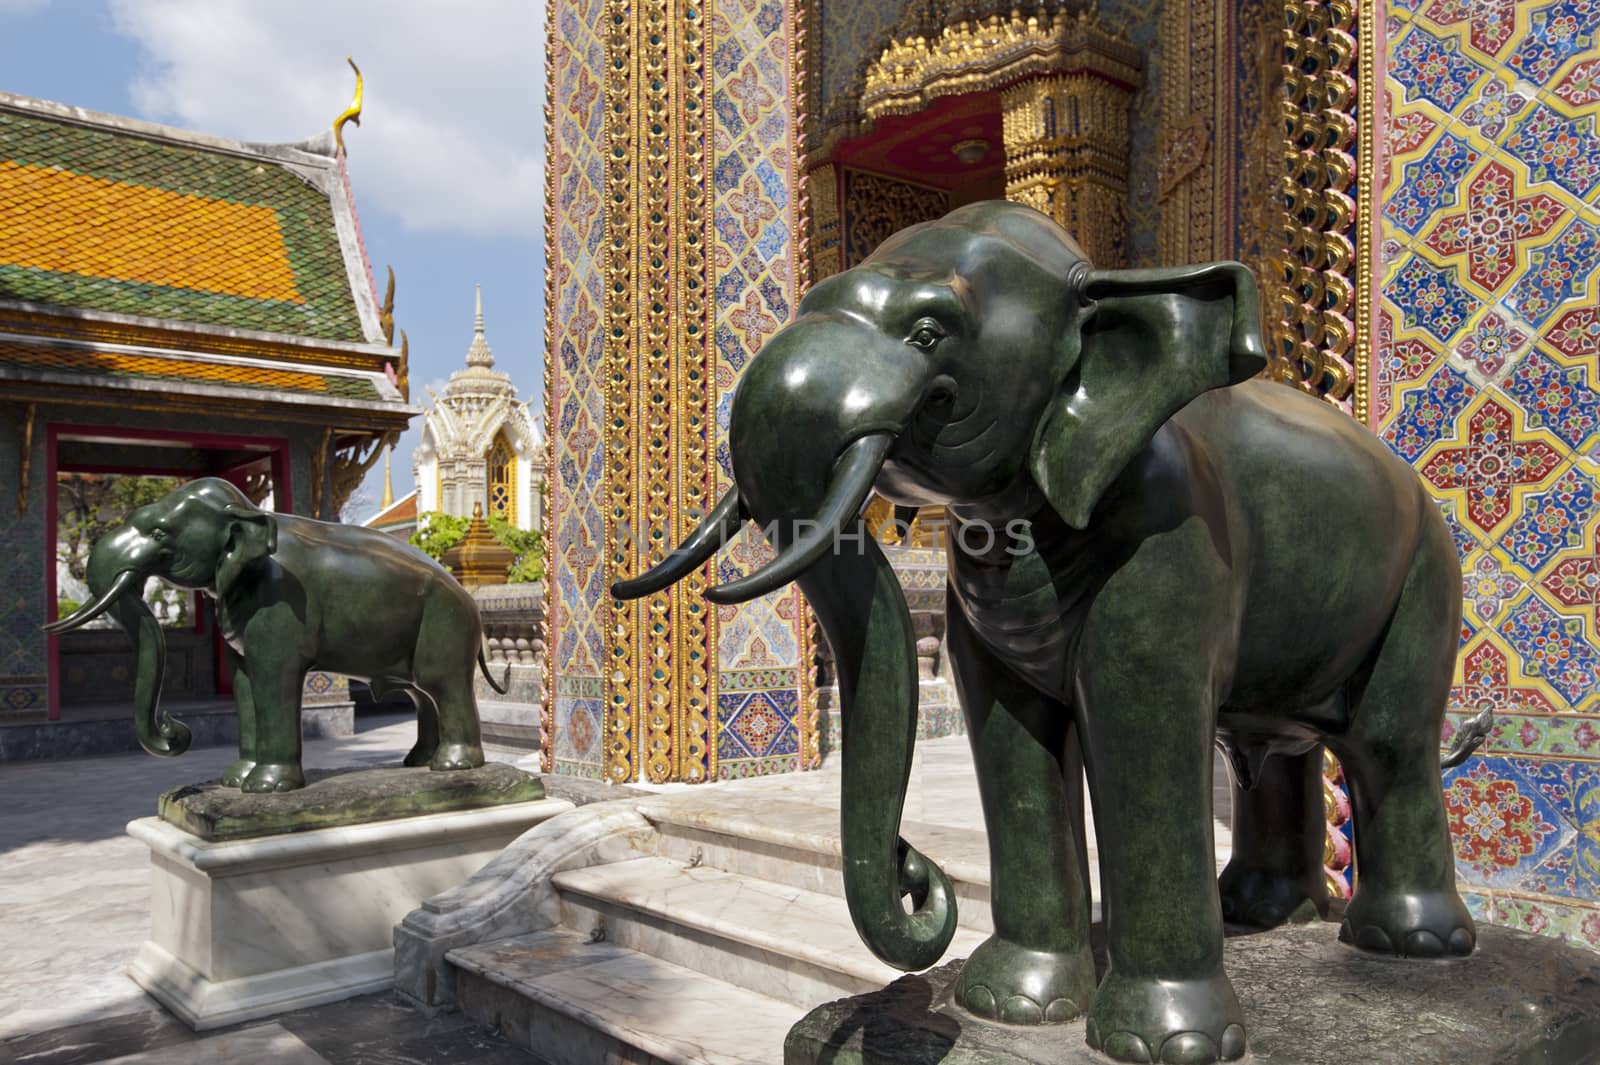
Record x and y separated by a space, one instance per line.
255 927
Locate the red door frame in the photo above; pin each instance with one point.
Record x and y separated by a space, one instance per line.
276 448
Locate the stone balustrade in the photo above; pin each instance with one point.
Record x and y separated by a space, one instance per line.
514 638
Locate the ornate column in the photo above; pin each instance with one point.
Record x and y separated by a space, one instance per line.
1067 143
665 279
1066 87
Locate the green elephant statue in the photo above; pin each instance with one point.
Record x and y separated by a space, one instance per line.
292 595
1150 553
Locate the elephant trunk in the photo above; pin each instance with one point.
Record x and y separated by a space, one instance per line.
813 420
858 602
116 578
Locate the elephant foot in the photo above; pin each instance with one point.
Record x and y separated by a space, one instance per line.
456 756
273 776
1192 1022
234 775
1416 924
1014 985
420 754
1263 898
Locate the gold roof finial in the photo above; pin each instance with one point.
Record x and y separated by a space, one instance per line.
388 481
351 113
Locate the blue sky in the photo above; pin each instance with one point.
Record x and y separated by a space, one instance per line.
447 165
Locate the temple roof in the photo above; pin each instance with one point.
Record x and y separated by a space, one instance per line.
139 256
400 514
110 214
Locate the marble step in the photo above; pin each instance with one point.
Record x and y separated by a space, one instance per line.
795 842
573 1002
786 942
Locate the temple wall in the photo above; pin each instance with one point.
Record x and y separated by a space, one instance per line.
1484 376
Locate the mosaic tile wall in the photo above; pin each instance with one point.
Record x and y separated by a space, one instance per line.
577 527
754 220
1485 377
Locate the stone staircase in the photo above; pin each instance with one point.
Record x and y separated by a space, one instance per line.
694 927
706 948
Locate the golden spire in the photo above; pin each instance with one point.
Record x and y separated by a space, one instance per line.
351 113
388 482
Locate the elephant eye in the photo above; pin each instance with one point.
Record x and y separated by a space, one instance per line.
158 534
926 335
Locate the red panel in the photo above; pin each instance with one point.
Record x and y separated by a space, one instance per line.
919 147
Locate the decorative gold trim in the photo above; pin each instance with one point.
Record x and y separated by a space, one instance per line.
33 324
1067 140
801 44
351 465
25 458
991 53
695 405
386 311
657 529
621 107
349 420
1311 328
547 694
1369 143
349 114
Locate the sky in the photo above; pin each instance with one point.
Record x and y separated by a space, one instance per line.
447 164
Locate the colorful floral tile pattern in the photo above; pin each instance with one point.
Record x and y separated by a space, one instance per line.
578 58
1486 377
751 137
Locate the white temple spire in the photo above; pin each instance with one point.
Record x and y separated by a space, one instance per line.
479 354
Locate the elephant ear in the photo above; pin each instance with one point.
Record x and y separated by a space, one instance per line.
1151 341
251 534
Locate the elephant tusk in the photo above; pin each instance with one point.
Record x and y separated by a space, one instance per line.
853 475
720 526
85 614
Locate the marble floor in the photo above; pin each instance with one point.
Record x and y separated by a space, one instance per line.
74 908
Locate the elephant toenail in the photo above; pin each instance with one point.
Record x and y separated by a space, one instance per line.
1189 1048
1125 1046
1423 944
1462 941
1233 1042
980 1000
1059 1010
1373 938
1020 1009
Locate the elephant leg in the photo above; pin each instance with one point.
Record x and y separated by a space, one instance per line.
421 752
1152 659
244 700
460 745
1405 900
1279 834
1037 967
276 694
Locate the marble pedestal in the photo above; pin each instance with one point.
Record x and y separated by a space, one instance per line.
1308 1000
249 928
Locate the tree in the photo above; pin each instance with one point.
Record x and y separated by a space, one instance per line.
90 505
437 533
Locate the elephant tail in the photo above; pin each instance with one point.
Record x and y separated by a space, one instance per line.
505 679
1468 739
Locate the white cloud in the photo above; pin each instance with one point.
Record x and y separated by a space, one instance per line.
452 128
